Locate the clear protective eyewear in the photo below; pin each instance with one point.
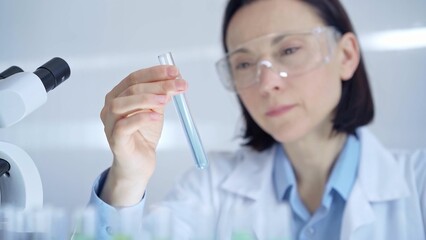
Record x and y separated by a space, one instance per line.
288 54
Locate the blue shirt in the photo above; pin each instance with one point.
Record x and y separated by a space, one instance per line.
325 223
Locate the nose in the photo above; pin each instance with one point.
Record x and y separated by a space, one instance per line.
269 78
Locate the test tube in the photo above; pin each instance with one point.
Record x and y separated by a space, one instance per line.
186 120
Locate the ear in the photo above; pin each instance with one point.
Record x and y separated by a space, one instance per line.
349 55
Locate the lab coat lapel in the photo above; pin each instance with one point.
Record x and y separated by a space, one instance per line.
378 180
358 212
252 180
252 174
379 175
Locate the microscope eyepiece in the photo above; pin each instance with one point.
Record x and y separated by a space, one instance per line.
53 73
23 92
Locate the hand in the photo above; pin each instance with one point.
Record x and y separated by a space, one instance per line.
133 118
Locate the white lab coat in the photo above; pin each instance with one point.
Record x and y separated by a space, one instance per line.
387 202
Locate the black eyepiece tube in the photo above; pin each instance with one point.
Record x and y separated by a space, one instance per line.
53 73
10 71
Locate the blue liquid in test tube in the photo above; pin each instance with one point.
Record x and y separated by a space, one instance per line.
186 120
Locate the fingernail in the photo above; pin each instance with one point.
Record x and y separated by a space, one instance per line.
172 71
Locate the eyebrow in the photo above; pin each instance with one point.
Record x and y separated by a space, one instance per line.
277 39
240 50
274 41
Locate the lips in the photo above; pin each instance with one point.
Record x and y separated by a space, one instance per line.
279 110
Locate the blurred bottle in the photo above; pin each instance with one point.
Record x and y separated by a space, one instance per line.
41 224
84 224
264 222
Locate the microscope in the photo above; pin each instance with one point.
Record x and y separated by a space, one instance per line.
20 94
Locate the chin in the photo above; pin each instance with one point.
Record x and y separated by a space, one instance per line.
289 133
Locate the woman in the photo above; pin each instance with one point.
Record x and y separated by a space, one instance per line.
296 68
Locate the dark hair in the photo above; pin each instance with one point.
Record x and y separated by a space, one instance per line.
355 107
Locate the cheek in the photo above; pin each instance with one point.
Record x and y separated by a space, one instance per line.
322 92
249 100
253 103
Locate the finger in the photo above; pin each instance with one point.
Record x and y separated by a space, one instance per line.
152 74
111 113
110 121
166 87
126 127
111 118
123 106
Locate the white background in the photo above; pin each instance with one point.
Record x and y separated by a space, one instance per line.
105 40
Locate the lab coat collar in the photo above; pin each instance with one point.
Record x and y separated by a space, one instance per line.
252 174
379 180
379 176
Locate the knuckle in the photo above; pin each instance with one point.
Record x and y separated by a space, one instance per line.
133 90
102 114
167 86
107 97
112 107
132 78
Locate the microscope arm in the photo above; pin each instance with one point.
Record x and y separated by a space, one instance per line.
22 186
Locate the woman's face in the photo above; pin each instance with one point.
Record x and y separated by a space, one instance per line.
287 108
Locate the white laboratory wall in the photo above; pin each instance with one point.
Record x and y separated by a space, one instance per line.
103 41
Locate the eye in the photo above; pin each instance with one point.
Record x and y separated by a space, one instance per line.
289 51
243 65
